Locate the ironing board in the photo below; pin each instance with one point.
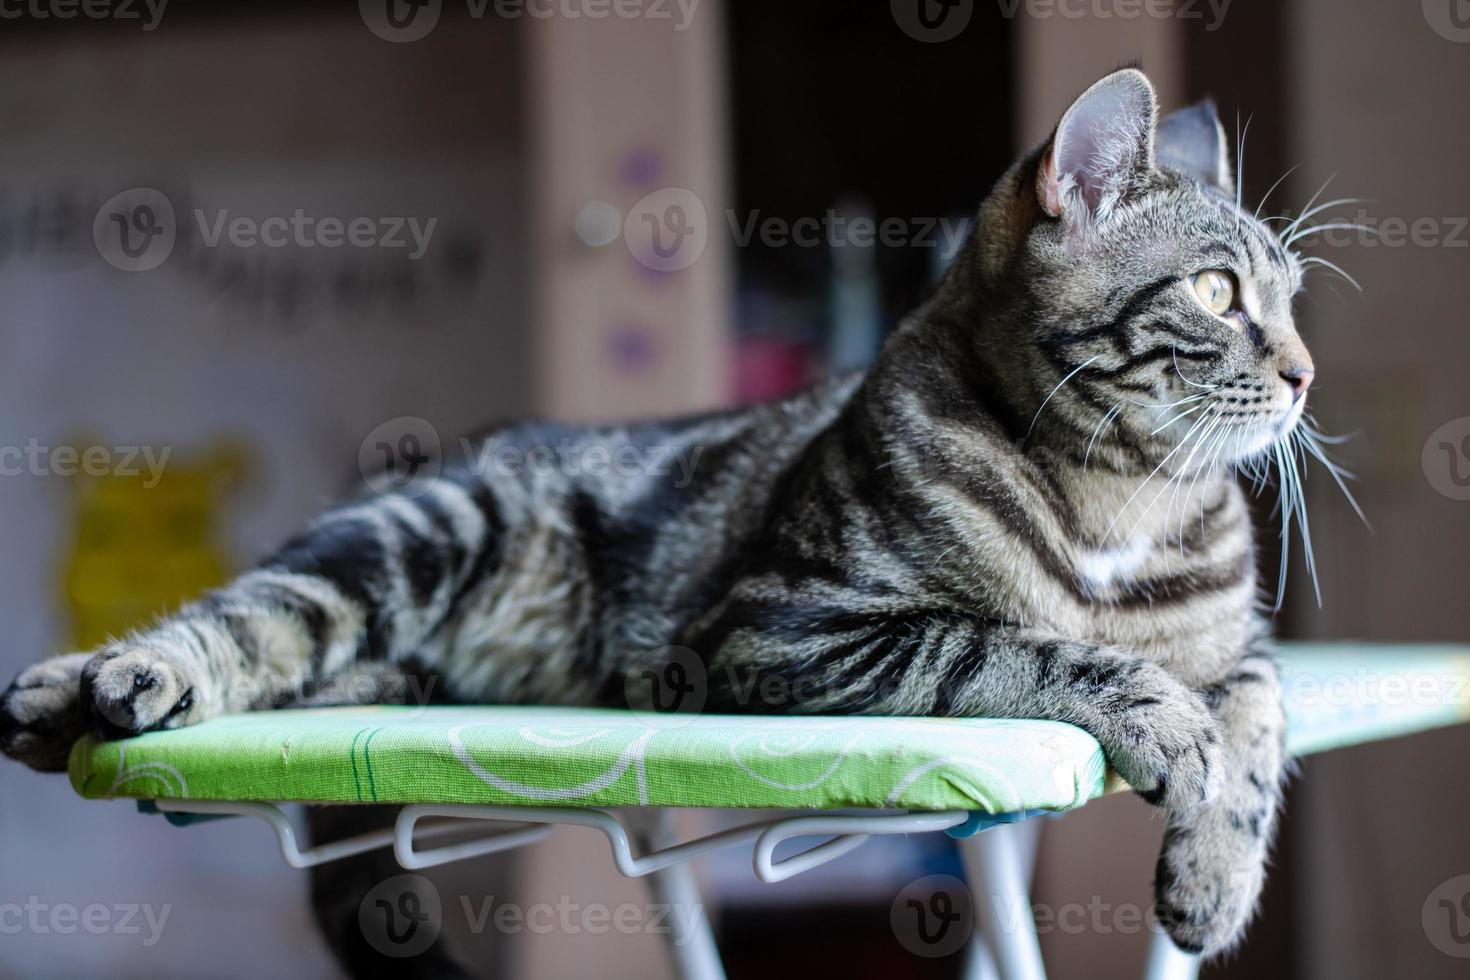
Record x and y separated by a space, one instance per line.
518 771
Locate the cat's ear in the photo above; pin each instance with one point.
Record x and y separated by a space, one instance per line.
1104 142
1192 142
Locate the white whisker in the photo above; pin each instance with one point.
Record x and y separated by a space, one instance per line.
1069 377
1192 384
1181 415
1317 260
1272 188
1109 414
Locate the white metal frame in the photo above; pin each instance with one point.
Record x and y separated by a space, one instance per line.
998 863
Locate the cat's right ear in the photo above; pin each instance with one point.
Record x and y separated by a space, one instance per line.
1104 143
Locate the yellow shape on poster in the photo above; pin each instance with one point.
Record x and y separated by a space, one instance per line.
142 543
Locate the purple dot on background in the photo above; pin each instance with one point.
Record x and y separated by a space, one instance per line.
641 168
632 348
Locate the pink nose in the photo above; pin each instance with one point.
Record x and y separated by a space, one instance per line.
1300 379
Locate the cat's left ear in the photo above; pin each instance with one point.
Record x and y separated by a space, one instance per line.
1102 146
1192 142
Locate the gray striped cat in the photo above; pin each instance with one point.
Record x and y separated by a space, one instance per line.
1028 508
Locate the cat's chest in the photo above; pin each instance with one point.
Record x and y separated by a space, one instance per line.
1101 570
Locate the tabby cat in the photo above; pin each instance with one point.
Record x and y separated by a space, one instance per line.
1028 508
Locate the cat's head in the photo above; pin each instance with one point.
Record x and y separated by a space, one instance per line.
1149 313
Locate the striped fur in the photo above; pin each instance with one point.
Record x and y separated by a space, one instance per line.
1001 518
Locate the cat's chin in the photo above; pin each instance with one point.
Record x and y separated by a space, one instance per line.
1257 441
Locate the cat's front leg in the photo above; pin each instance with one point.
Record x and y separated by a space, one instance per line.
1155 731
1213 862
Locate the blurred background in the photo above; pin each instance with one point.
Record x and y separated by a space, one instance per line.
241 245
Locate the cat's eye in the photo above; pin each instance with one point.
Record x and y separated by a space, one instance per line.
1216 290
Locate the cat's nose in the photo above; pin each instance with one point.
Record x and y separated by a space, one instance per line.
1300 379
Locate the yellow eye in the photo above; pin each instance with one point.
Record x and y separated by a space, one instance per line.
1216 290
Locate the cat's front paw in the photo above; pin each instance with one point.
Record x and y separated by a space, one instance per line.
132 687
41 713
1206 887
1170 749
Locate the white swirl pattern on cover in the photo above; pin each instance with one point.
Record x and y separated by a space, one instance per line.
562 738
631 756
161 771
1009 797
794 743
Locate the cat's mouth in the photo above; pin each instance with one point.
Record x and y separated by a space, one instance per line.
1256 437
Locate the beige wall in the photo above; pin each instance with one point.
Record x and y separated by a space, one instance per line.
316 114
623 108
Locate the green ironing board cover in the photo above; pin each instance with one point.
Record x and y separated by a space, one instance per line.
543 756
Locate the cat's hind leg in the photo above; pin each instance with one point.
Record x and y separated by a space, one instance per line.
369 584
41 713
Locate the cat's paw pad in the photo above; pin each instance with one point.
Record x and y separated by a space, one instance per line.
131 688
41 713
1173 754
1204 901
